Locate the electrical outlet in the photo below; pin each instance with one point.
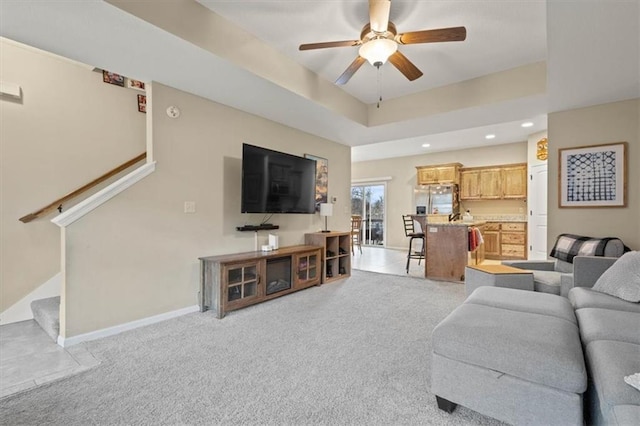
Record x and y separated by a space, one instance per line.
189 206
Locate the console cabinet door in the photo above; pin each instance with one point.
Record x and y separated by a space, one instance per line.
241 284
307 269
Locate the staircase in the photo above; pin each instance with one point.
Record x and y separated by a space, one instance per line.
46 312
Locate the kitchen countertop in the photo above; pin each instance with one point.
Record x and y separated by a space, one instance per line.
502 217
458 223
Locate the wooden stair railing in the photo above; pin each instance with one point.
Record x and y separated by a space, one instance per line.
57 204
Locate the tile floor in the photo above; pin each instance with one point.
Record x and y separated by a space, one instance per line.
29 358
386 261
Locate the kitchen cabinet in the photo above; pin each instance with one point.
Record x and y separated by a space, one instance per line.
470 185
514 182
491 184
494 183
491 236
442 173
505 240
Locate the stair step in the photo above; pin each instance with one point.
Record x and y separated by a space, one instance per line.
46 312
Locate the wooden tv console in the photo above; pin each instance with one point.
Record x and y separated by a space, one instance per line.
234 281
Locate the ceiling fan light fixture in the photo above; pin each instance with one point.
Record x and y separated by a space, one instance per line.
376 51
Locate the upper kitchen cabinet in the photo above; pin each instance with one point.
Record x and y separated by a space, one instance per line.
494 183
470 185
514 181
442 173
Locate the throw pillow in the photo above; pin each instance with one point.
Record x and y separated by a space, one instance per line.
633 380
622 279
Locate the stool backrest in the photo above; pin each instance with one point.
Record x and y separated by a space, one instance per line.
408 225
356 223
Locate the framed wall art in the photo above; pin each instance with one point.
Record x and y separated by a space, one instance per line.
135 84
113 78
593 176
142 103
322 179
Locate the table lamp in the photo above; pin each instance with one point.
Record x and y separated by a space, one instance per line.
326 210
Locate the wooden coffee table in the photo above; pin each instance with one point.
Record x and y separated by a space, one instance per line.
497 276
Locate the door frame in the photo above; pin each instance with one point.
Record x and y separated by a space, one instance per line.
377 182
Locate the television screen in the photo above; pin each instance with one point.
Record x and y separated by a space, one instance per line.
275 182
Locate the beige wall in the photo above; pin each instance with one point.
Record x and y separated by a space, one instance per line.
137 255
68 129
403 173
601 124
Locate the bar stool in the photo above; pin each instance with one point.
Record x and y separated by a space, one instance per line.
409 232
356 233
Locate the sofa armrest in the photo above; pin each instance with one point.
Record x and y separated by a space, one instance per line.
538 265
566 284
587 269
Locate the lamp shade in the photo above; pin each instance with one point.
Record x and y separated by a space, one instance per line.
326 209
378 50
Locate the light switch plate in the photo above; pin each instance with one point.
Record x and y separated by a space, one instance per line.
189 206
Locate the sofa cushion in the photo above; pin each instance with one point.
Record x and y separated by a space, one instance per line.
606 324
609 362
626 414
582 297
523 301
538 348
622 279
547 281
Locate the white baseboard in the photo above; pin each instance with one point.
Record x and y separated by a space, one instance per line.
117 329
21 310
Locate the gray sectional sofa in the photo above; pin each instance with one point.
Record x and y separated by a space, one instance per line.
610 334
557 276
534 358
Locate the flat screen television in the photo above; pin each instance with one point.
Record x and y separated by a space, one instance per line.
276 182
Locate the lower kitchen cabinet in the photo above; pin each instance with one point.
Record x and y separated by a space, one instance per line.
505 240
491 238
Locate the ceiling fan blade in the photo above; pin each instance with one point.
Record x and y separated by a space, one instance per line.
433 36
405 66
351 70
379 15
345 43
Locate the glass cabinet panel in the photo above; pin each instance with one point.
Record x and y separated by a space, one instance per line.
307 266
242 281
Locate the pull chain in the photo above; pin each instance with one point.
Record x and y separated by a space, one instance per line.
379 86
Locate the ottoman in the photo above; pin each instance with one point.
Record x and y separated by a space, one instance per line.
512 355
498 276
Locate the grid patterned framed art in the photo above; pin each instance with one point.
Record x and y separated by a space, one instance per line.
593 176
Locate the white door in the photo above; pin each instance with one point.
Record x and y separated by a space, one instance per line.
537 212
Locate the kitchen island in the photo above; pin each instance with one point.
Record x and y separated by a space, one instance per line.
447 251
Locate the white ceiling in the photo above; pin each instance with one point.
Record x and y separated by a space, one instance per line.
500 35
591 49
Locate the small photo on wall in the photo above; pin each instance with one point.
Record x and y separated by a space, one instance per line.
135 84
113 78
142 103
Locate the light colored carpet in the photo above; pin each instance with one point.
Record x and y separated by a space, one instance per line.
353 352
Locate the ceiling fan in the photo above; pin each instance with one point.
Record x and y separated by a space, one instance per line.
379 42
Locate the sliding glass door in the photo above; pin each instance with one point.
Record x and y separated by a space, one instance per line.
368 201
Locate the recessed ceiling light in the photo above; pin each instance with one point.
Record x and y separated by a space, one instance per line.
527 124
426 145
491 136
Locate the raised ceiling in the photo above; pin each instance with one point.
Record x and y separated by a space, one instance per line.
521 60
